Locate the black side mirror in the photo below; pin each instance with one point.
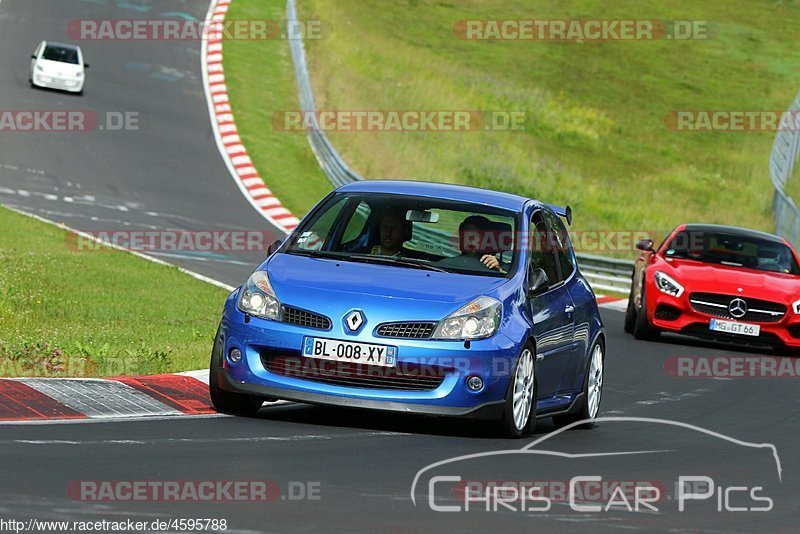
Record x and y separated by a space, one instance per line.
275 245
85 65
645 245
33 56
537 281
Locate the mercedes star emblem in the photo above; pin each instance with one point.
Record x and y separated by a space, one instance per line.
737 308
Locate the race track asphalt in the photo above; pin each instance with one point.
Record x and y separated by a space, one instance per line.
169 175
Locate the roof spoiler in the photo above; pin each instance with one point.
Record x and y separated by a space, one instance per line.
565 212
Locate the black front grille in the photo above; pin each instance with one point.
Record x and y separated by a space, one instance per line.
758 311
407 377
406 330
305 318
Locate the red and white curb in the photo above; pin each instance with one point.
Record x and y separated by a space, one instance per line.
229 143
46 399
612 303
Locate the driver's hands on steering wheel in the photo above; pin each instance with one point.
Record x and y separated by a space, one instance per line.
491 262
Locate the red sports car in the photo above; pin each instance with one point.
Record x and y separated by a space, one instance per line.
717 282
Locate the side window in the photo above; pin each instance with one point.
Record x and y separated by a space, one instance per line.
542 253
355 227
560 240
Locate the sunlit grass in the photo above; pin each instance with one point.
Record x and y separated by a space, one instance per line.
65 312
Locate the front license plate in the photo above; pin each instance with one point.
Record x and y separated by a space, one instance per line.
734 328
349 351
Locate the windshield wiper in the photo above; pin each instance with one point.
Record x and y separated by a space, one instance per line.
394 260
318 254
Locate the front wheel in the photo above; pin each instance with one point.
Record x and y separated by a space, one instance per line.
592 392
228 401
642 329
519 416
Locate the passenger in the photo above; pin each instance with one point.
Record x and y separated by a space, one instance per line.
394 231
474 226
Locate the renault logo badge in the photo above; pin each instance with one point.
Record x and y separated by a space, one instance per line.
354 320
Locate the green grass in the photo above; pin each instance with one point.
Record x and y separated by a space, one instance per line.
595 135
260 79
65 312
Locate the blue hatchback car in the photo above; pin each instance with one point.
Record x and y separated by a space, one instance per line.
419 298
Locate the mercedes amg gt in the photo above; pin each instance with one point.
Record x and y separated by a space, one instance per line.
718 282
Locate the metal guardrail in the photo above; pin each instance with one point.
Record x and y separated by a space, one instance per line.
603 273
781 165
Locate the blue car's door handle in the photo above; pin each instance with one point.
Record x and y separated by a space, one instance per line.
569 309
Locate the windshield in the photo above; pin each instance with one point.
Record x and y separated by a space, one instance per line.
734 250
59 53
411 232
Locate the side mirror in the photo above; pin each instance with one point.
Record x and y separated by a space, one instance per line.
33 56
86 65
275 245
645 245
537 281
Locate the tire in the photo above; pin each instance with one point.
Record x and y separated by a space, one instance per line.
514 422
227 401
592 391
630 313
642 329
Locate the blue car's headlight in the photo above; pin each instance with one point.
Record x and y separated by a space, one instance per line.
667 284
478 319
258 298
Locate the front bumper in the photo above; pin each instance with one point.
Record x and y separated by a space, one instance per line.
492 359
61 84
677 315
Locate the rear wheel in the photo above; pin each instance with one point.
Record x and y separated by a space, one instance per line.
228 401
642 329
592 392
519 416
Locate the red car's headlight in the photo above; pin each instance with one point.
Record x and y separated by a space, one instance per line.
667 284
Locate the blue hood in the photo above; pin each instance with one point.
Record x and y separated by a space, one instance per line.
383 292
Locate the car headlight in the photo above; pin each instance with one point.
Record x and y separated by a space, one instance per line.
667 284
796 307
39 68
258 298
478 319
79 75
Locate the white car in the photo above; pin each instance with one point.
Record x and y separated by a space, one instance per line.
58 66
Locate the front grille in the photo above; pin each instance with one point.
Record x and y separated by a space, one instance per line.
408 377
305 318
406 330
758 311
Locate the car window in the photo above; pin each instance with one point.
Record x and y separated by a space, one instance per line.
561 243
357 224
61 54
542 251
449 235
314 234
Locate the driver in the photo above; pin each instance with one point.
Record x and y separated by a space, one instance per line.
394 231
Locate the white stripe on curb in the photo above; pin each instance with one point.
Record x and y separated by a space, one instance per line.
230 147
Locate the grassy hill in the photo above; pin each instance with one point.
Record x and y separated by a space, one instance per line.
595 133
